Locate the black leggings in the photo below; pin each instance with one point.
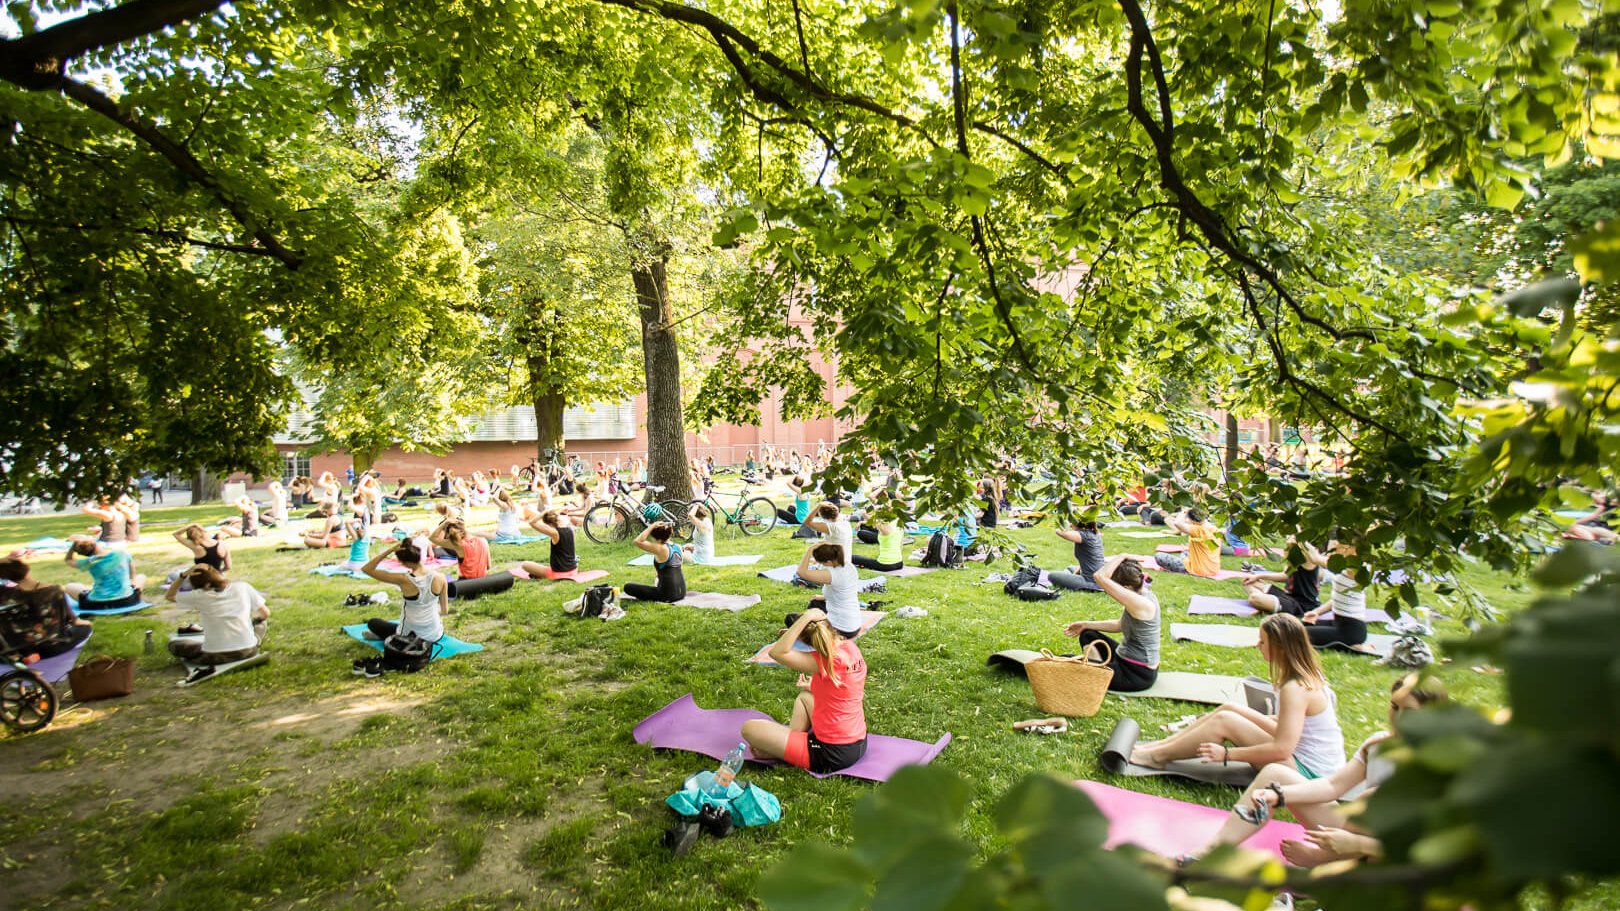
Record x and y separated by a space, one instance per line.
1073 582
671 587
1129 677
865 562
1340 631
866 534
786 516
129 600
72 635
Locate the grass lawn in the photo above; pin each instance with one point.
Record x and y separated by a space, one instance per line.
509 778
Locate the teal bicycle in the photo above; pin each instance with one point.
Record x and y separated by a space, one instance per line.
750 515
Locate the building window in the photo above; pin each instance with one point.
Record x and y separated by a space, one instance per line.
294 465
600 421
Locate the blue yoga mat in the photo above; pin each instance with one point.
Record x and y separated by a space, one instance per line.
449 646
338 569
61 546
520 539
108 612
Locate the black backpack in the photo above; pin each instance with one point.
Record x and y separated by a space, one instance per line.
1024 575
596 598
1035 591
409 653
942 551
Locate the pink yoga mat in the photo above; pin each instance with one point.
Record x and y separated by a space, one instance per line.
581 576
394 566
682 725
869 619
1172 827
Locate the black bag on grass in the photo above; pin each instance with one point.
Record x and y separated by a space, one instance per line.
1035 591
595 599
942 551
1024 575
409 653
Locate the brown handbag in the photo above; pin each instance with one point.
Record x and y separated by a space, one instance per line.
102 677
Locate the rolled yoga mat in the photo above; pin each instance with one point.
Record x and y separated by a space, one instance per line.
1116 758
1249 636
1171 828
487 584
682 725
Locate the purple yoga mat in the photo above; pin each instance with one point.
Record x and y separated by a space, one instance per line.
54 669
1171 827
682 725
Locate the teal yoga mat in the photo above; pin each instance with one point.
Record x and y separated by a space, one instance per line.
449 646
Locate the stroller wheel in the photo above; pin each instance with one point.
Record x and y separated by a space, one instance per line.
27 702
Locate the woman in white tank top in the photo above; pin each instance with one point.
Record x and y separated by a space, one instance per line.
1305 730
425 593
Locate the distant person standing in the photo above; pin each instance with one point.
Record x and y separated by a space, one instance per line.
155 485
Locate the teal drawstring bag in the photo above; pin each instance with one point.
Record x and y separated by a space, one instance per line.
749 804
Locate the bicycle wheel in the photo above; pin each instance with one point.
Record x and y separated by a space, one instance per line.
757 516
606 523
675 513
27 702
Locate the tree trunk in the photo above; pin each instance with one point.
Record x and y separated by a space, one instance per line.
364 459
204 488
666 432
548 415
1231 442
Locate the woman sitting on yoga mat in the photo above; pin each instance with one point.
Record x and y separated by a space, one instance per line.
112 574
246 523
1203 545
890 541
508 517
1135 659
1348 628
206 549
330 533
1088 556
1304 732
840 583
277 513
1313 803
1302 594
111 529
47 607
701 551
553 525
654 539
801 503
471 551
827 731
232 615
425 595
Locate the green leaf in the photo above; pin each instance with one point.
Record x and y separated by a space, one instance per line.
815 877
1597 252
1531 300
926 878
918 803
1103 881
1578 561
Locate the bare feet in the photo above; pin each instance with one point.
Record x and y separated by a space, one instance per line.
1304 854
1142 754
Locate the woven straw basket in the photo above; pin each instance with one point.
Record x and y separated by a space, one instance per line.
1074 687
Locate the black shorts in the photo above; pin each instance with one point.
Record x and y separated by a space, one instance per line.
826 758
129 600
1285 602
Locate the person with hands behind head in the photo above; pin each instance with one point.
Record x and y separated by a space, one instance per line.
671 587
1135 658
825 564
555 525
233 617
425 594
1304 732
827 730
701 550
1314 802
205 549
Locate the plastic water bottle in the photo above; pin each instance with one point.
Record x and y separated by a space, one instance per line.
150 645
728 770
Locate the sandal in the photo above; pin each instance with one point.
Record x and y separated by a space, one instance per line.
1042 726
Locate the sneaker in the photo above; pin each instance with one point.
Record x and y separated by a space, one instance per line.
198 675
877 586
908 613
716 820
351 600
358 668
373 668
1249 567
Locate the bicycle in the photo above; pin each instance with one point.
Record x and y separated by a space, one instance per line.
753 515
612 521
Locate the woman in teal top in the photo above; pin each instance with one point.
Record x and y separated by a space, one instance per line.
112 576
801 504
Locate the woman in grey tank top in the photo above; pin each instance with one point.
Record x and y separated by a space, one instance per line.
1135 657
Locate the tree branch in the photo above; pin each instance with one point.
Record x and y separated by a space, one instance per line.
184 161
38 62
